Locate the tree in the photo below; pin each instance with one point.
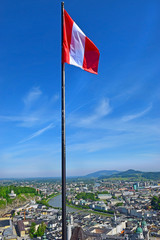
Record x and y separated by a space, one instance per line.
119 204
86 196
114 197
41 229
32 230
155 203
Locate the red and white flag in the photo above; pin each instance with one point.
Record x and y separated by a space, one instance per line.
78 49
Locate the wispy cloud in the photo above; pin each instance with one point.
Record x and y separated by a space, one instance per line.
92 145
127 93
132 137
137 115
102 110
32 96
37 110
38 133
18 118
55 98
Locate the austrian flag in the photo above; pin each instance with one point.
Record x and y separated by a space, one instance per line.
78 49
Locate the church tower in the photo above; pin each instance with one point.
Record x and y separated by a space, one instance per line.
139 232
145 229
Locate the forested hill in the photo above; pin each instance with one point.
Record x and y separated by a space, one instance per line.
129 174
101 173
137 175
22 194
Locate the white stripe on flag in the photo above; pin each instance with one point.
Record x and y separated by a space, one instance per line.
77 46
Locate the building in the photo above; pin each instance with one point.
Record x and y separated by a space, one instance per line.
104 196
6 229
12 194
77 234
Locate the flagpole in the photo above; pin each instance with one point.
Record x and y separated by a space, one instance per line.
64 228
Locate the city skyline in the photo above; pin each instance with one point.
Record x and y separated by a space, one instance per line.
112 119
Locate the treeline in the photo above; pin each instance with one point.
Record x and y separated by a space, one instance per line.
134 175
104 192
104 211
155 203
43 202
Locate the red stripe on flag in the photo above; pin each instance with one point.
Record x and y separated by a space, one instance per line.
67 35
91 57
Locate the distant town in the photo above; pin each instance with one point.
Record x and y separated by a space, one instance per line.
102 205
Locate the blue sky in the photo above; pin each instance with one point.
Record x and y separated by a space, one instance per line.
112 119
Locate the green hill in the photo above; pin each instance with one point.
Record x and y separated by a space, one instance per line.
101 173
134 175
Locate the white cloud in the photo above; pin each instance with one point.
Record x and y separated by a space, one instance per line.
18 119
32 96
55 98
102 110
36 134
137 115
38 110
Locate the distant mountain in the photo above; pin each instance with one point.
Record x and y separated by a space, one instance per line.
133 174
101 173
151 175
127 174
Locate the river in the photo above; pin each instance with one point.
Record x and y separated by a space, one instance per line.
57 202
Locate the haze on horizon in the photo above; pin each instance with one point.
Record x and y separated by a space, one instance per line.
112 119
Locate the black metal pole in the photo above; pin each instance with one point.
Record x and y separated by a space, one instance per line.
64 228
